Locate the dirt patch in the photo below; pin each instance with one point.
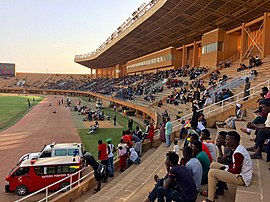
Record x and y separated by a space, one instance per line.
102 124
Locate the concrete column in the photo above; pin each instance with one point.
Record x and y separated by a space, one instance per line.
117 71
266 35
91 73
195 55
244 42
184 56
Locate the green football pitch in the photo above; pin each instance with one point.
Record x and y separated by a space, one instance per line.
12 108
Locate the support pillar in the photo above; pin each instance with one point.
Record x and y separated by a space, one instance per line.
195 55
184 56
244 42
266 35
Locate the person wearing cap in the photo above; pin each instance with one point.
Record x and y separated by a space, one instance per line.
90 160
238 116
110 150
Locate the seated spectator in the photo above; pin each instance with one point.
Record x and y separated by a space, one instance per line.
133 158
202 120
226 156
258 62
137 144
203 158
239 173
205 139
262 131
183 130
230 122
208 101
178 174
176 147
178 115
194 166
194 136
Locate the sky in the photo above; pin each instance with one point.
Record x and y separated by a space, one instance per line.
44 35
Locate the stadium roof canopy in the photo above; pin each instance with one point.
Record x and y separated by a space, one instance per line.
173 23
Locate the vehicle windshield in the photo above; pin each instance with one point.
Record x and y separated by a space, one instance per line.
15 168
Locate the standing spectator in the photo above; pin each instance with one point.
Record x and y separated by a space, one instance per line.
114 120
29 105
151 134
122 152
111 149
168 132
114 107
246 89
162 131
99 170
195 117
147 130
103 157
130 124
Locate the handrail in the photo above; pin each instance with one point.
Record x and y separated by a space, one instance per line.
234 96
221 103
46 189
230 79
131 20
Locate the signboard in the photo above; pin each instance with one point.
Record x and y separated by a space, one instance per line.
7 70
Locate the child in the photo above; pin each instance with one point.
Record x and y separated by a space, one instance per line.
176 147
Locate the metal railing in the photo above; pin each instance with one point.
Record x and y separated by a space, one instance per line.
46 189
131 20
221 105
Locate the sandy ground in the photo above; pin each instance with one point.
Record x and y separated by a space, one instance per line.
40 126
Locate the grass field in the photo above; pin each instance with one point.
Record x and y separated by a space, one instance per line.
90 141
12 108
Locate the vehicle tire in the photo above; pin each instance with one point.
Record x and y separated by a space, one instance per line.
22 190
64 184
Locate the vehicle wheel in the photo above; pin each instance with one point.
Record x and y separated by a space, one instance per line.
22 190
63 185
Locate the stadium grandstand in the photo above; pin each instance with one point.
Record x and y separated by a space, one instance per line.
201 63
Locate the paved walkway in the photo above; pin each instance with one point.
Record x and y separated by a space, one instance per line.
40 126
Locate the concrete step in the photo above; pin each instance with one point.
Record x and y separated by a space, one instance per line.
134 180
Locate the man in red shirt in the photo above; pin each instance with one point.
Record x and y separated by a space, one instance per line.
103 157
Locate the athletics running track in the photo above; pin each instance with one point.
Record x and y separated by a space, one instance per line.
40 126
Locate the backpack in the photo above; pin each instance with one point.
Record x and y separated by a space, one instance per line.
101 169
